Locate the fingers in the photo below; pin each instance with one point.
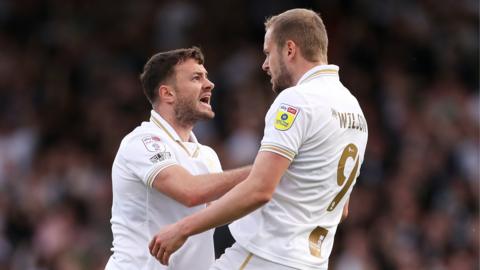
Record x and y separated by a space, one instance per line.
162 256
158 251
154 247
159 254
165 257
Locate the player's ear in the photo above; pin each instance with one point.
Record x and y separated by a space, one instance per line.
291 48
166 93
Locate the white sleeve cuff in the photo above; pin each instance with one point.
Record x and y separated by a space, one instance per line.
152 173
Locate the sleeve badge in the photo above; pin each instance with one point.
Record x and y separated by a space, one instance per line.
285 116
153 144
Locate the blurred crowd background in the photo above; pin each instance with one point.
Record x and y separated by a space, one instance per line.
69 92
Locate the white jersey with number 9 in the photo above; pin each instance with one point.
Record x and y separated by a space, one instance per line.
318 125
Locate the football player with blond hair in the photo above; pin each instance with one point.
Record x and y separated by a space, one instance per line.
287 211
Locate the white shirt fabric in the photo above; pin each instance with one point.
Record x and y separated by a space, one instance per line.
139 211
238 258
318 125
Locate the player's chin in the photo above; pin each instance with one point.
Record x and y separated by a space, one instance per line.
278 88
207 114
211 114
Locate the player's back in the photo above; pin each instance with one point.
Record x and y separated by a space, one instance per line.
320 126
331 151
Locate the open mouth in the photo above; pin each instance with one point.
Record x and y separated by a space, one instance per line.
205 100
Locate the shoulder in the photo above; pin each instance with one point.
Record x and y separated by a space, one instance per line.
292 96
150 138
292 100
293 92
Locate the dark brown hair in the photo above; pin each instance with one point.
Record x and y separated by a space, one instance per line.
160 68
305 28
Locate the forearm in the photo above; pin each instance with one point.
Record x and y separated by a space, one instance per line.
191 190
209 187
243 199
247 196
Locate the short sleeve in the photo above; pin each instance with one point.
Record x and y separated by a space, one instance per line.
146 155
285 125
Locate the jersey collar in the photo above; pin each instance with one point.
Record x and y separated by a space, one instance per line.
156 119
318 71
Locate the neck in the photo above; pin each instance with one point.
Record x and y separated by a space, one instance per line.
302 67
182 130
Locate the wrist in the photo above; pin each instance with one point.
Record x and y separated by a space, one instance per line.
184 228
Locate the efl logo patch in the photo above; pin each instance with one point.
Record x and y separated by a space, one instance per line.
153 144
286 115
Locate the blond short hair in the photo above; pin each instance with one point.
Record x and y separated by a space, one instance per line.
305 28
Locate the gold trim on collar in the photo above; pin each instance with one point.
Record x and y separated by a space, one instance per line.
318 73
159 124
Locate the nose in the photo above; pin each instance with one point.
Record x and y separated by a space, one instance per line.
265 66
209 85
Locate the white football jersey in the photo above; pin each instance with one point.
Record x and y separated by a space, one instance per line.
318 125
139 211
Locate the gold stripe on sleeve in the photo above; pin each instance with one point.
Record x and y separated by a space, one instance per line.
156 170
282 151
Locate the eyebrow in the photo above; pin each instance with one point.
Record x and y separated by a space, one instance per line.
200 73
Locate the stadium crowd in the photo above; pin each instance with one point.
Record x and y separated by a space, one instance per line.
69 91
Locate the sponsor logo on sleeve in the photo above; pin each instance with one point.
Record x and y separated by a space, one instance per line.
285 117
153 144
160 157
